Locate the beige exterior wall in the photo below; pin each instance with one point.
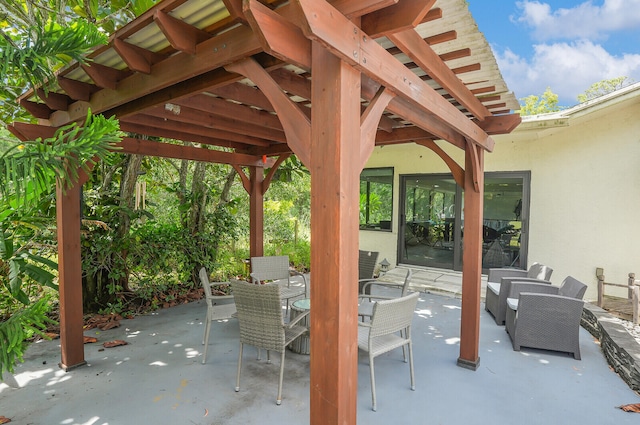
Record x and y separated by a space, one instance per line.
585 190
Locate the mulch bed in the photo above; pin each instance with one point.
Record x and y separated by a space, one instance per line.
109 321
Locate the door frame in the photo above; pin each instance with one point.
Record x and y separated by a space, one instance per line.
457 251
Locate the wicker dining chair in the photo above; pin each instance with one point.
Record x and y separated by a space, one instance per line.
367 261
262 324
367 300
276 269
389 328
215 311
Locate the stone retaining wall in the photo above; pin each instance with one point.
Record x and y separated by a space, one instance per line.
620 349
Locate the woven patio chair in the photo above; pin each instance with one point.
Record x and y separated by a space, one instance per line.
366 300
262 324
215 312
499 284
367 261
277 270
389 328
545 316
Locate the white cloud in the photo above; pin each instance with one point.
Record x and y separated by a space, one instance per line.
567 68
585 20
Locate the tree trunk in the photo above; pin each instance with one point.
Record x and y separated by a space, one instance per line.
128 182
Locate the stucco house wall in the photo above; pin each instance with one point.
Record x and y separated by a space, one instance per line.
585 187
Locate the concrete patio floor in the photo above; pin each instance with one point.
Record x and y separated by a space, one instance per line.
158 378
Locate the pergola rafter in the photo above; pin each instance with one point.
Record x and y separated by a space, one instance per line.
251 82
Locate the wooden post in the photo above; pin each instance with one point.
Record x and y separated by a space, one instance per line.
70 276
632 283
256 212
472 258
636 304
335 134
600 276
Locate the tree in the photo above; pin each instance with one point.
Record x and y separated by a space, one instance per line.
603 87
533 105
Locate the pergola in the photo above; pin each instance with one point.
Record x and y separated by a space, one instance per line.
250 83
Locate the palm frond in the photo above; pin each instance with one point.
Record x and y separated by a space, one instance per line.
28 172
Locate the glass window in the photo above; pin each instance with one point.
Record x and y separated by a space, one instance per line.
376 198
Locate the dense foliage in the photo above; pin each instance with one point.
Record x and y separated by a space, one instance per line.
533 104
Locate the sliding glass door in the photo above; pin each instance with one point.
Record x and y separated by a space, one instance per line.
431 221
428 220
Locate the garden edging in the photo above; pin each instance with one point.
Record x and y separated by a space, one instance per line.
619 347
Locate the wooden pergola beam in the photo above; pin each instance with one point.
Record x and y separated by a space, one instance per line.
327 27
356 8
230 110
167 150
166 126
403 15
53 100
180 69
422 54
244 94
104 76
77 90
182 36
416 101
25 131
196 136
137 58
37 109
500 124
456 170
296 124
194 116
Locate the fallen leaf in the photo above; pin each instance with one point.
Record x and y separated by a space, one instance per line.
114 343
4 420
631 407
109 325
52 335
90 339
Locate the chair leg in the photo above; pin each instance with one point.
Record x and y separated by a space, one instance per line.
207 330
279 398
373 383
239 367
404 353
413 379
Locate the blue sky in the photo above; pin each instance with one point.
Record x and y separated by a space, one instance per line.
563 44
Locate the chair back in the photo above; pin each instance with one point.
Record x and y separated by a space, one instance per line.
407 282
259 315
539 271
270 268
367 261
573 288
206 285
390 316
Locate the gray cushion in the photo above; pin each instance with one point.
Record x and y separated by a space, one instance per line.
493 287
